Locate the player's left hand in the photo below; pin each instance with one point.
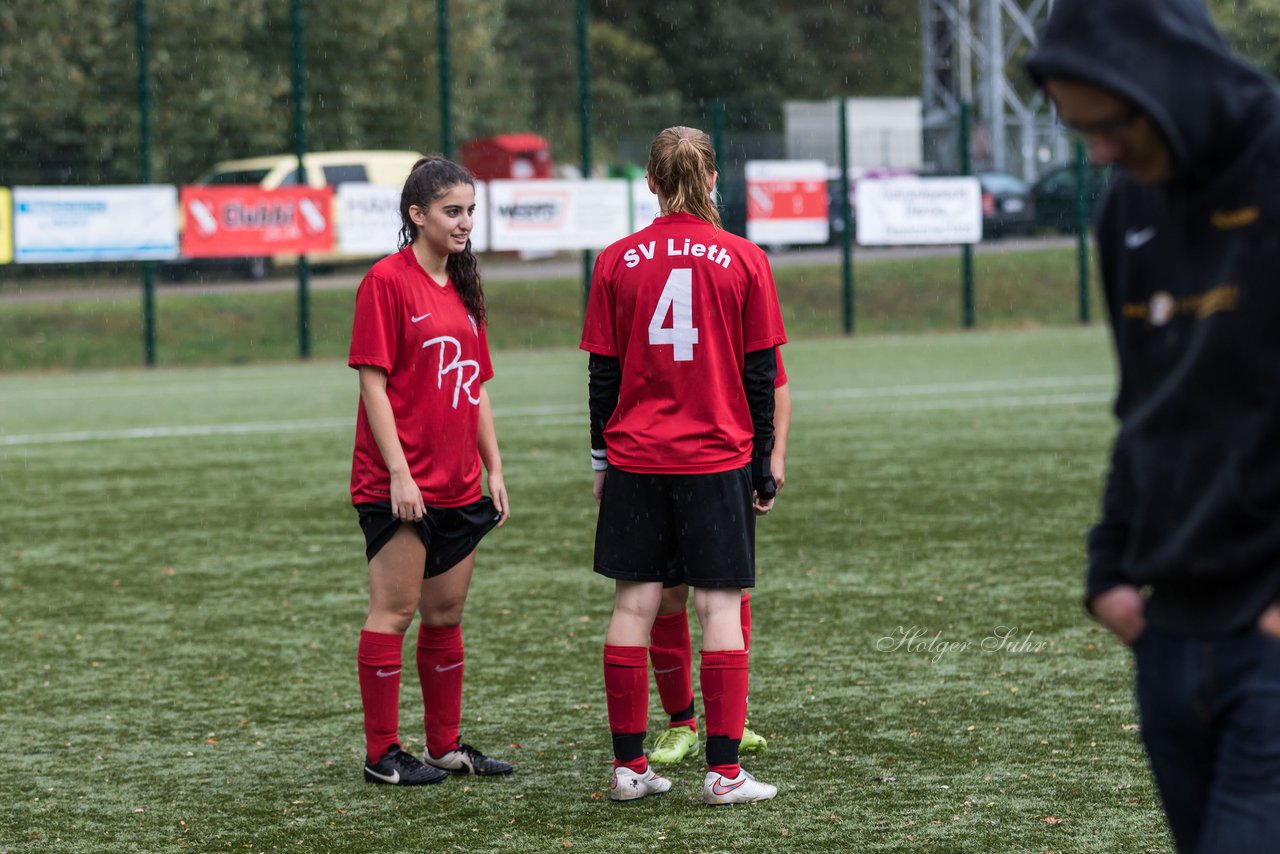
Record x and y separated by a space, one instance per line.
498 492
778 466
597 485
762 507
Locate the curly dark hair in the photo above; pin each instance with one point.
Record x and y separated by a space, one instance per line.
431 177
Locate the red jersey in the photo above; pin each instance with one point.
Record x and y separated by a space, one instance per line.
679 304
436 357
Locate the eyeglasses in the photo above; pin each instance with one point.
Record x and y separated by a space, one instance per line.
1111 127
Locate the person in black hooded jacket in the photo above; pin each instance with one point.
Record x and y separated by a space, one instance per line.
1184 564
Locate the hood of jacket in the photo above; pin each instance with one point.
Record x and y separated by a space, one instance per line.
1166 57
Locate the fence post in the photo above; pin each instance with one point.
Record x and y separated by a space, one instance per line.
846 213
300 149
584 103
966 257
1082 232
446 82
144 175
717 134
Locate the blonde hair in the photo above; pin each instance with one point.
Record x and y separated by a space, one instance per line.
681 164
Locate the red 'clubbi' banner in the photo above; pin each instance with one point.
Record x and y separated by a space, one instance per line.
233 222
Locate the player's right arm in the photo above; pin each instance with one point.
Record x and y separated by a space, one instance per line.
406 498
604 384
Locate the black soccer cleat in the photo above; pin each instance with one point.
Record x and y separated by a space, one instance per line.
467 760
397 768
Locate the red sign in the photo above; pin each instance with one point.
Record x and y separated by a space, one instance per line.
783 199
235 222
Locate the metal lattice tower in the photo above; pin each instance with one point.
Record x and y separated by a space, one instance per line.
973 48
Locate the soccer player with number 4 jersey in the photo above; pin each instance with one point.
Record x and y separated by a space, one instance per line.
683 326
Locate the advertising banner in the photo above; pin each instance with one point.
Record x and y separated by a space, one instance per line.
238 222
787 202
644 205
898 211
75 224
368 219
6 226
480 224
551 215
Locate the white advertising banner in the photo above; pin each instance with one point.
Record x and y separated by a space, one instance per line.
550 215
787 201
898 211
368 219
69 224
480 223
644 205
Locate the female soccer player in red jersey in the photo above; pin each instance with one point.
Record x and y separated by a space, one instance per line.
670 647
423 430
683 327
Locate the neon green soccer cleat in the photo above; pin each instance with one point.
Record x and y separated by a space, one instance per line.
752 742
674 745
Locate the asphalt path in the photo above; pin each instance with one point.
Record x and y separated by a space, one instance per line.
493 268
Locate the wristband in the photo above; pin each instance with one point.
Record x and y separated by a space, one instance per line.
762 481
599 462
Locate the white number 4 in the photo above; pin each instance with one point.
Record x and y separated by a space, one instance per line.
676 299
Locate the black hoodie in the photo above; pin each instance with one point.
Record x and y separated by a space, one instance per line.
1191 272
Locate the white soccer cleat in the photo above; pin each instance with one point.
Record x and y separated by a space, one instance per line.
627 785
743 789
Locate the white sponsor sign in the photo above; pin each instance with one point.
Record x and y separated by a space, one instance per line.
368 219
551 215
919 211
480 222
61 224
644 205
787 201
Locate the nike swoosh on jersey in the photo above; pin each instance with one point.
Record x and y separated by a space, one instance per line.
440 669
413 319
383 674
718 787
393 778
1133 238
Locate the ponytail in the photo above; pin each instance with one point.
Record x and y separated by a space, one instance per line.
682 162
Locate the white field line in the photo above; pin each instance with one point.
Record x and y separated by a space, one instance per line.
572 414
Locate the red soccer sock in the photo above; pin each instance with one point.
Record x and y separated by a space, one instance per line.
724 698
671 652
440 669
745 611
626 684
378 661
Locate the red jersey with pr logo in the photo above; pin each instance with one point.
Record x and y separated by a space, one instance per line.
679 304
436 357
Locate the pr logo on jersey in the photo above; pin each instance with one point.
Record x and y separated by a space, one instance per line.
467 370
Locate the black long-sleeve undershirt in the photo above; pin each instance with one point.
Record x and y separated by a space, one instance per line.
603 386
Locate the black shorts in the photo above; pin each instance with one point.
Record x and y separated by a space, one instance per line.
695 529
448 533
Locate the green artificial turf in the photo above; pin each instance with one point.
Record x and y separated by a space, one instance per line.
1018 289
182 583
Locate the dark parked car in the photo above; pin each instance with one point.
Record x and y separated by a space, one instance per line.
1055 196
1007 206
